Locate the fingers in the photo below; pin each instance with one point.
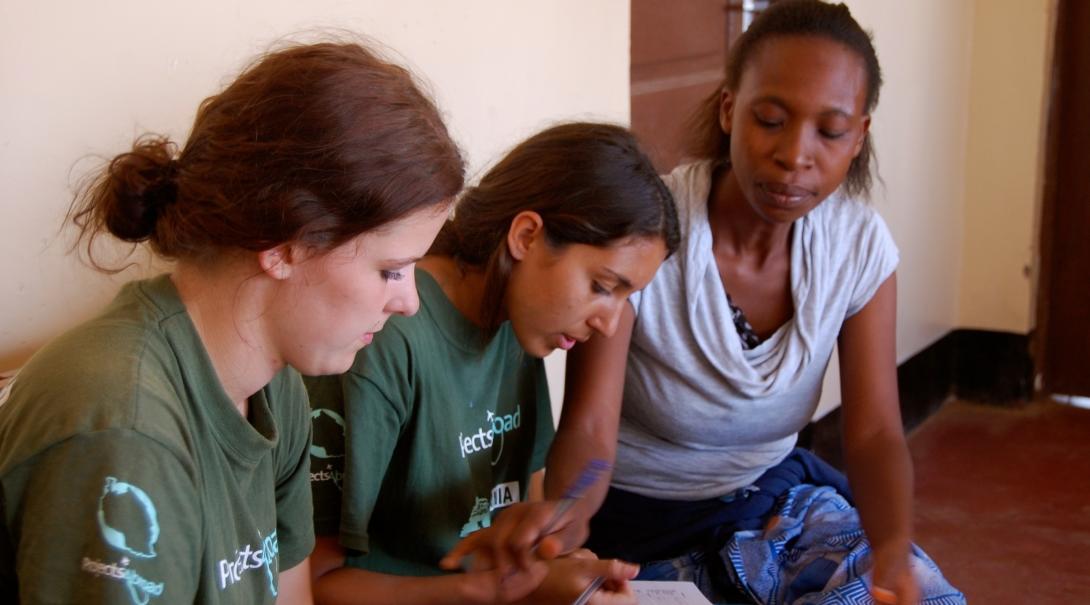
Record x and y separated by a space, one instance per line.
517 584
527 531
908 591
902 591
624 596
616 590
549 548
463 549
883 595
583 553
617 571
515 539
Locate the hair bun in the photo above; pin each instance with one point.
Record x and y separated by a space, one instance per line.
163 191
144 182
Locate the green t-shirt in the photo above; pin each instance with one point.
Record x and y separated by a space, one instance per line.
443 430
326 451
128 475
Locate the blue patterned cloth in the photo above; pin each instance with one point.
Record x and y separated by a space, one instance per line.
816 555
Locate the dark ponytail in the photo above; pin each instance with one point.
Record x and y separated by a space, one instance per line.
590 183
791 18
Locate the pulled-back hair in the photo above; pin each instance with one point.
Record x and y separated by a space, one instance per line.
312 144
791 18
590 183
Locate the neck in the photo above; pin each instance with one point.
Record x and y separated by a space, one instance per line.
464 286
226 304
737 229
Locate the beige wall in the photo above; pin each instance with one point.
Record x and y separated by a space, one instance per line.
920 132
1003 163
957 128
84 78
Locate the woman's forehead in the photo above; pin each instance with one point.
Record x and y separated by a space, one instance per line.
806 69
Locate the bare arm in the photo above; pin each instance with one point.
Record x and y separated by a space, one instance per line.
589 422
555 582
875 452
340 585
294 585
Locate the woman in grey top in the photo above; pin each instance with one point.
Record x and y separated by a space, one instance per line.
719 361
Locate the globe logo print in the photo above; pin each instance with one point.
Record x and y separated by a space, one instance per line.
324 420
127 519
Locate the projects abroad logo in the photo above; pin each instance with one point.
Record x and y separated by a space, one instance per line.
327 444
128 522
249 557
480 516
496 426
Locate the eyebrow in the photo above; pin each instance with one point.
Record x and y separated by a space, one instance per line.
779 101
624 281
400 262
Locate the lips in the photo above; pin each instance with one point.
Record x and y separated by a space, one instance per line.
566 342
784 195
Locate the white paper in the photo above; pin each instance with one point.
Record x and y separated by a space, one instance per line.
668 593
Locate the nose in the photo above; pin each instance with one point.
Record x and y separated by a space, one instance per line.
794 150
403 298
605 323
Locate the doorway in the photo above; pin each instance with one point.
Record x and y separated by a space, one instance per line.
1063 318
679 51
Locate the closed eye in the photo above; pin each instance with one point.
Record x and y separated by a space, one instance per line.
392 275
598 288
763 123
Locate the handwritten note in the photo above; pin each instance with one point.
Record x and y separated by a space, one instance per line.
668 593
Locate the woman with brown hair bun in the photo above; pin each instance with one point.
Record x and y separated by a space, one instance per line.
159 452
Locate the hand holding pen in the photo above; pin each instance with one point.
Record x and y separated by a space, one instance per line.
575 492
521 534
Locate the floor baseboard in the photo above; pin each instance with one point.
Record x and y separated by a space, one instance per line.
972 365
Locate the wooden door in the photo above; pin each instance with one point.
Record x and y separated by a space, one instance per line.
1063 347
679 51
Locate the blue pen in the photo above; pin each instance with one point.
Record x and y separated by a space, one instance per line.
594 469
575 491
587 478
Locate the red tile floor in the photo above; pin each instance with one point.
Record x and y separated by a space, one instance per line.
1003 501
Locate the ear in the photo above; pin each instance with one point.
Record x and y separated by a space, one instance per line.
726 110
862 136
277 262
526 228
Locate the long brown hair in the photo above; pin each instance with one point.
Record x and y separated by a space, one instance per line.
791 18
312 144
590 183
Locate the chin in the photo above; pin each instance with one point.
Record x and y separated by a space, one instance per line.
328 367
533 347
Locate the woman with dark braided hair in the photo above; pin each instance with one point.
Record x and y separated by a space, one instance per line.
159 453
447 416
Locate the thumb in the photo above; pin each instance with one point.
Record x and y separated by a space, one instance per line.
883 595
616 570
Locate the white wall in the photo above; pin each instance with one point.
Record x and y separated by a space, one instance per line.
81 78
920 130
960 132
1007 111
958 126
